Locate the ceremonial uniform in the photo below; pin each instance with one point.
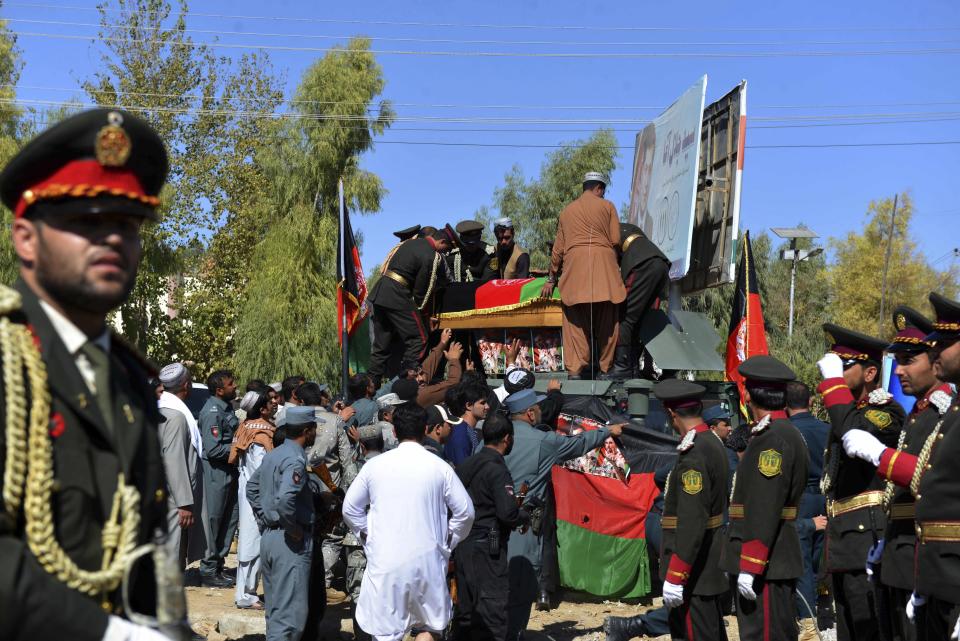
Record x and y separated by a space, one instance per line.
585 258
218 424
474 260
856 519
897 561
763 546
646 273
481 558
401 299
282 501
92 440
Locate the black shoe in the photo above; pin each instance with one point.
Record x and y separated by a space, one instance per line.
623 628
543 601
623 368
215 581
230 573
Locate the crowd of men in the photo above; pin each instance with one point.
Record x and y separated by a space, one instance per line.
432 465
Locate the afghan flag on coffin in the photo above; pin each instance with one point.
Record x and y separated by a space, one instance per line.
602 508
493 296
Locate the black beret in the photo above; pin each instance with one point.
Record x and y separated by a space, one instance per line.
854 346
912 329
97 160
947 311
675 392
765 369
409 232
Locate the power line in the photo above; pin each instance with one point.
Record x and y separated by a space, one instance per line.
409 23
506 54
462 41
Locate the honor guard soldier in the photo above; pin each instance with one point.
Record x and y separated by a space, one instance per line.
409 279
83 477
474 260
695 500
513 261
764 548
646 273
408 233
853 397
914 369
931 477
282 503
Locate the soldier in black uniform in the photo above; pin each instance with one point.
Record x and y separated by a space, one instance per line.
917 378
646 273
408 233
693 511
931 477
764 547
475 260
79 193
409 279
481 558
855 517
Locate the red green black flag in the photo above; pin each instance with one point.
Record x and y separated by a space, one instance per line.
351 284
747 336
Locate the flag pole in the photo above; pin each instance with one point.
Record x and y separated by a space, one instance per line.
344 347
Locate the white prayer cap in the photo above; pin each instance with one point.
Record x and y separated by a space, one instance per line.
174 375
389 400
595 175
276 387
248 401
503 222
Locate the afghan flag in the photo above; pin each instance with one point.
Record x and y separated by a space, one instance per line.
747 336
602 500
462 299
351 284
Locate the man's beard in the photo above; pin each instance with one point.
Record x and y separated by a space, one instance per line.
74 291
503 252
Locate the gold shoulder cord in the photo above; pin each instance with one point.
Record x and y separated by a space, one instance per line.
28 471
924 457
889 487
433 281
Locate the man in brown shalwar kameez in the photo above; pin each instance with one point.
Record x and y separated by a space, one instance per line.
585 258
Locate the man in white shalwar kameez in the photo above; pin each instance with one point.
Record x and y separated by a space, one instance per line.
409 510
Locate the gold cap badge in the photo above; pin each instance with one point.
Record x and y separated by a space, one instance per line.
113 146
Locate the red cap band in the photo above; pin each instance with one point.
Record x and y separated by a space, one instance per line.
85 179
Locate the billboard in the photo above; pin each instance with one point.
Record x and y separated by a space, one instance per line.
664 190
713 246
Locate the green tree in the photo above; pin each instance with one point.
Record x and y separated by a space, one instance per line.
856 275
535 205
288 319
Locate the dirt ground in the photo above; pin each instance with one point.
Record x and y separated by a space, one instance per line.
574 619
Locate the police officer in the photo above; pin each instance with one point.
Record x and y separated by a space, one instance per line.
410 277
282 501
481 558
693 514
854 398
646 273
80 429
218 423
474 260
763 549
931 478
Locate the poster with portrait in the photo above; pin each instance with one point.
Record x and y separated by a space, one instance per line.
607 461
663 193
547 350
492 351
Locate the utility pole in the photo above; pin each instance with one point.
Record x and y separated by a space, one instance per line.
886 265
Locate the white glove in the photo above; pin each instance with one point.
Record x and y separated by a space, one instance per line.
956 630
122 630
672 594
830 366
863 445
745 586
914 602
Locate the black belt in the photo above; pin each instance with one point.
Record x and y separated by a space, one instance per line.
277 526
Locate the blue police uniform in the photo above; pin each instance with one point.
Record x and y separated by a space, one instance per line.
812 503
283 502
218 423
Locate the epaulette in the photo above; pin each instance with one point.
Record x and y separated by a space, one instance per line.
941 400
687 441
10 300
121 344
761 425
489 249
879 397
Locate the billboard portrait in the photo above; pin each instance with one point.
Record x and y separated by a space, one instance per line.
663 192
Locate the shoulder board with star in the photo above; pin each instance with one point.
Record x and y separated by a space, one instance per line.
761 425
687 441
879 397
941 400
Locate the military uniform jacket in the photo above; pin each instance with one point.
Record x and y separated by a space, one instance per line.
854 493
693 512
490 486
218 423
87 460
900 536
413 261
637 249
278 491
770 479
480 266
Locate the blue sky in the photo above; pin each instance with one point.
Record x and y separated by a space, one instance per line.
827 189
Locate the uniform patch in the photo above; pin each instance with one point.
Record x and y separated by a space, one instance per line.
770 463
215 431
494 263
879 418
692 481
509 489
297 477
